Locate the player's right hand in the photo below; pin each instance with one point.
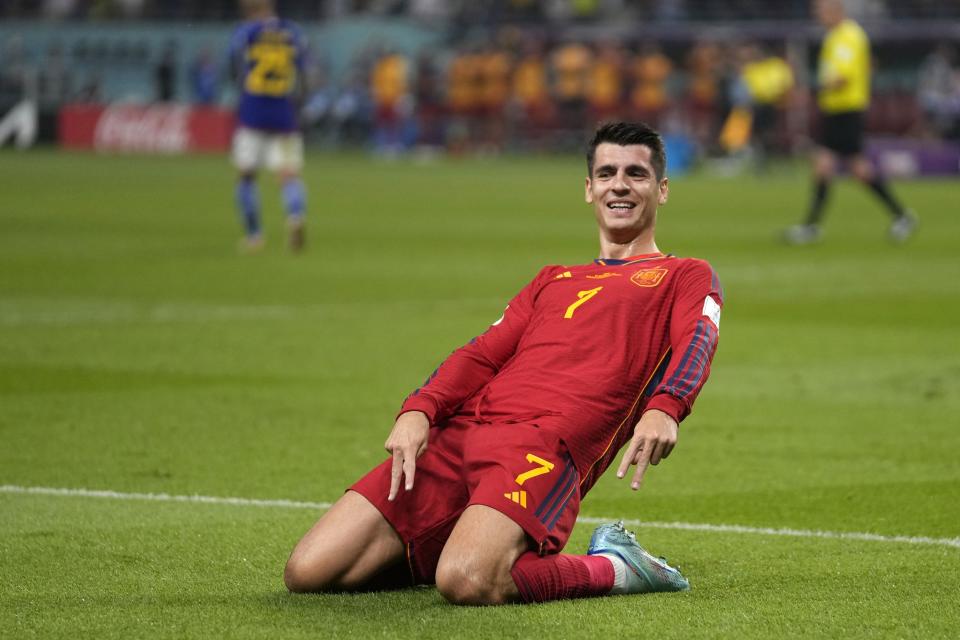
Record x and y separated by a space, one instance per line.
406 443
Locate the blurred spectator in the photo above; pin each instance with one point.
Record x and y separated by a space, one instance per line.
463 99
493 90
759 94
352 111
54 89
531 106
769 79
605 85
703 90
165 73
571 67
319 95
938 90
730 89
650 70
390 89
204 77
429 101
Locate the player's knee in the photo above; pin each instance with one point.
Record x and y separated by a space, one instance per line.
313 575
459 585
304 575
298 577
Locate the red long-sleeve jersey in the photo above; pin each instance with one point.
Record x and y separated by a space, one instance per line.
583 351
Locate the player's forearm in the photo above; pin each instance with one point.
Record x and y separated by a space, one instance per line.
689 366
459 377
473 365
693 344
681 386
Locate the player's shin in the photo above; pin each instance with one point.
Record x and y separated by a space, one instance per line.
561 576
294 197
248 202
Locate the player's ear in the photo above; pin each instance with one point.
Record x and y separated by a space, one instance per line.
664 187
588 196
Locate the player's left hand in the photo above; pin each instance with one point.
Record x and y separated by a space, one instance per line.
653 439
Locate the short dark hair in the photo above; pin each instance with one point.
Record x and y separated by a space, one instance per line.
627 133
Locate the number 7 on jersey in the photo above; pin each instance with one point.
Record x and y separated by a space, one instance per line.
582 297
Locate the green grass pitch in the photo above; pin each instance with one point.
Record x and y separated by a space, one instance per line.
139 353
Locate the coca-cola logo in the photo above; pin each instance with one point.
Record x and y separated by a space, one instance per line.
158 129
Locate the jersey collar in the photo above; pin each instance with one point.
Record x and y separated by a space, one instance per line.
613 262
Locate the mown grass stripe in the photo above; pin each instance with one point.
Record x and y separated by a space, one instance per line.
683 526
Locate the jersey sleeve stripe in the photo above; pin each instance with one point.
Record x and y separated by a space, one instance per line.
685 360
693 366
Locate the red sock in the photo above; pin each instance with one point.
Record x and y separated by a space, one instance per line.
561 576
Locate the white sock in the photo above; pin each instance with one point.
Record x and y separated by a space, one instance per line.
619 573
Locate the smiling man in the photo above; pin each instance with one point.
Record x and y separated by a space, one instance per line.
492 456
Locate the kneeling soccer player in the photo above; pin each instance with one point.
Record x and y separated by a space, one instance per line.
492 456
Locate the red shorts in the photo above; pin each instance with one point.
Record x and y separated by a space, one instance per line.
517 469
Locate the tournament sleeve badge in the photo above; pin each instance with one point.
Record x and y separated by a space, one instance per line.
712 310
648 277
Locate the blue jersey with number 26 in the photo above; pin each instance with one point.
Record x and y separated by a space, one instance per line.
268 55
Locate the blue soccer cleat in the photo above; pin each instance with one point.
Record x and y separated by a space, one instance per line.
645 573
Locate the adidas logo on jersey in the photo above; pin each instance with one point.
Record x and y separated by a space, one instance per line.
520 497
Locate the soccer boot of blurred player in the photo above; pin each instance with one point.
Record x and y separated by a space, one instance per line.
903 227
296 233
636 570
249 245
800 234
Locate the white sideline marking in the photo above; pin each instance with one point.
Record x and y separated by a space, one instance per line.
19 314
768 531
682 526
164 497
112 313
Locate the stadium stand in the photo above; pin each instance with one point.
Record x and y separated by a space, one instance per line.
672 61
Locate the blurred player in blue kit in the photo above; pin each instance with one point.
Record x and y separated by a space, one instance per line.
267 55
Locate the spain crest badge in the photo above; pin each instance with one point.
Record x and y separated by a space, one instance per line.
648 277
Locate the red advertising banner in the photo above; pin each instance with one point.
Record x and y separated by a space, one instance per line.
162 128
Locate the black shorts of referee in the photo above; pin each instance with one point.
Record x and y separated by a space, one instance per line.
842 132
